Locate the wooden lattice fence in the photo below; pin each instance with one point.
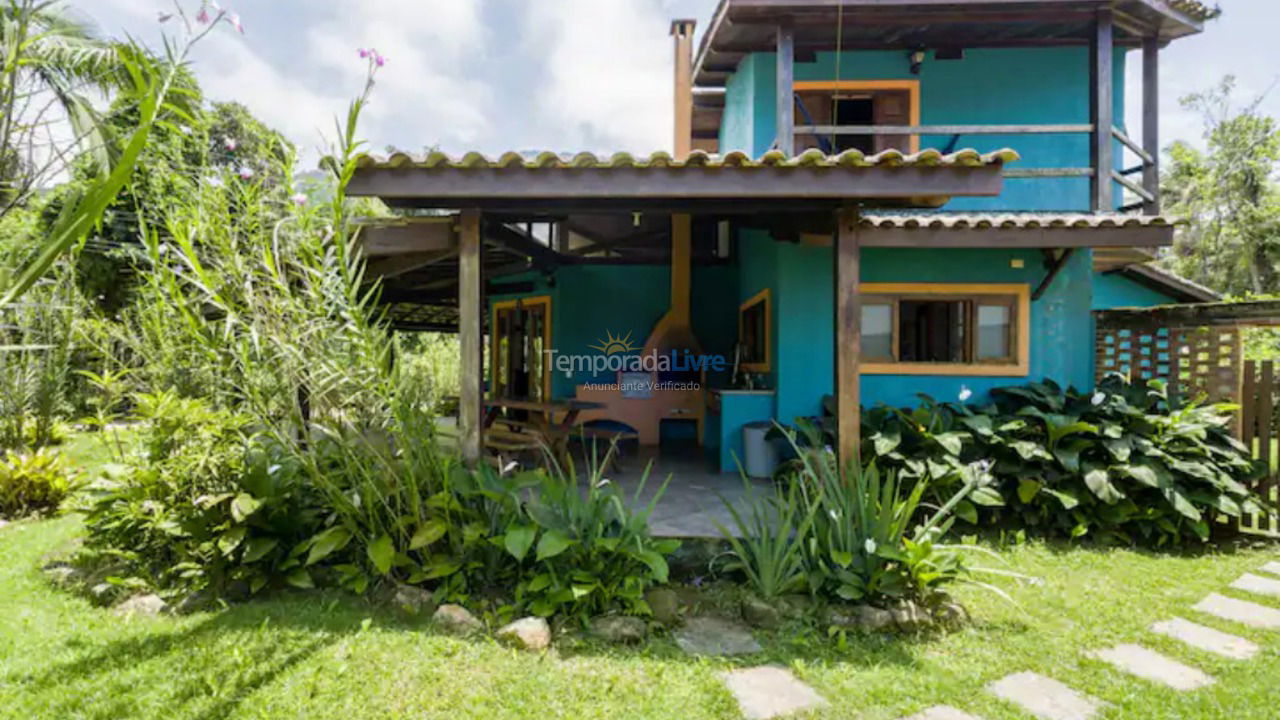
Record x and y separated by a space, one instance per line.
1258 431
1195 361
1199 351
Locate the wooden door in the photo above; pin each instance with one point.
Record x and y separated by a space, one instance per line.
892 108
521 333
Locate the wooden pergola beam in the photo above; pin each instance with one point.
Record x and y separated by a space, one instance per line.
1260 313
677 189
409 238
396 265
1021 238
543 257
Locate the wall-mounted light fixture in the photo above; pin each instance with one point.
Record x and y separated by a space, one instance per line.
917 59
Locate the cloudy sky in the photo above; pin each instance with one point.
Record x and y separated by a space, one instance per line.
564 75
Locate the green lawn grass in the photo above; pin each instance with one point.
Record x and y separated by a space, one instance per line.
332 656
329 655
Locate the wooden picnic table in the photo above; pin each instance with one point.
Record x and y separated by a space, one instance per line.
570 407
550 424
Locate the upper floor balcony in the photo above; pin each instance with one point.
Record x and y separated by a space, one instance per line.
1044 77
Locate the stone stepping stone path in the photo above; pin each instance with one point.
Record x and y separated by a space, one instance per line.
1045 697
942 712
1206 638
1257 585
1151 665
1272 567
1241 611
768 692
713 636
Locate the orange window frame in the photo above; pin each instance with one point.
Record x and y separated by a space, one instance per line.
1018 295
765 297
545 301
911 86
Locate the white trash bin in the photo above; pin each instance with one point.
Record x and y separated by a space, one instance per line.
761 455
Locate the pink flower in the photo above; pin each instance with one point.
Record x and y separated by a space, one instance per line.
364 54
378 59
202 17
246 173
234 19
230 144
300 199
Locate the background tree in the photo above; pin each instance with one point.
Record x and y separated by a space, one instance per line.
216 140
52 65
1230 195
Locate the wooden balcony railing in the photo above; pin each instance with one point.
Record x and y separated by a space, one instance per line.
1147 191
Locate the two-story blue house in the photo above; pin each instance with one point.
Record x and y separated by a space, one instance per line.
926 275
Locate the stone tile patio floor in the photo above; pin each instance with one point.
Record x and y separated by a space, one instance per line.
767 691
691 505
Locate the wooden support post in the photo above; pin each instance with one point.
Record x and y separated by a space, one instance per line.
786 121
470 329
848 337
1151 122
1102 61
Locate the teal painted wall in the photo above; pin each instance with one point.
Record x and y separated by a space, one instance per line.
1061 327
588 301
725 431
1111 290
990 86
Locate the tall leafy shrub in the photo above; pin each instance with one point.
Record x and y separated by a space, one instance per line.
1122 463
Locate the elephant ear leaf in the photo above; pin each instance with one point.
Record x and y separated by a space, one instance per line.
1099 482
1181 503
519 539
952 442
1028 489
886 441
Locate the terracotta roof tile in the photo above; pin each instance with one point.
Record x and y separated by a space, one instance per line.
697 158
1016 221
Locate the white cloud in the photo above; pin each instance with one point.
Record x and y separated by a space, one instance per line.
298 78
424 95
607 72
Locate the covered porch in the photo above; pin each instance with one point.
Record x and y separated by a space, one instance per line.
468 228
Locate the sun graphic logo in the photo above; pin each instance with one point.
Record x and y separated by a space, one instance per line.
613 345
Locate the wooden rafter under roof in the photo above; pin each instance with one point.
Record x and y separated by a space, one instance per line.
740 27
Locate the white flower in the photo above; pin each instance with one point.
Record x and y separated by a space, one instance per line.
965 393
602 483
510 466
230 144
870 546
300 199
1098 398
246 173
